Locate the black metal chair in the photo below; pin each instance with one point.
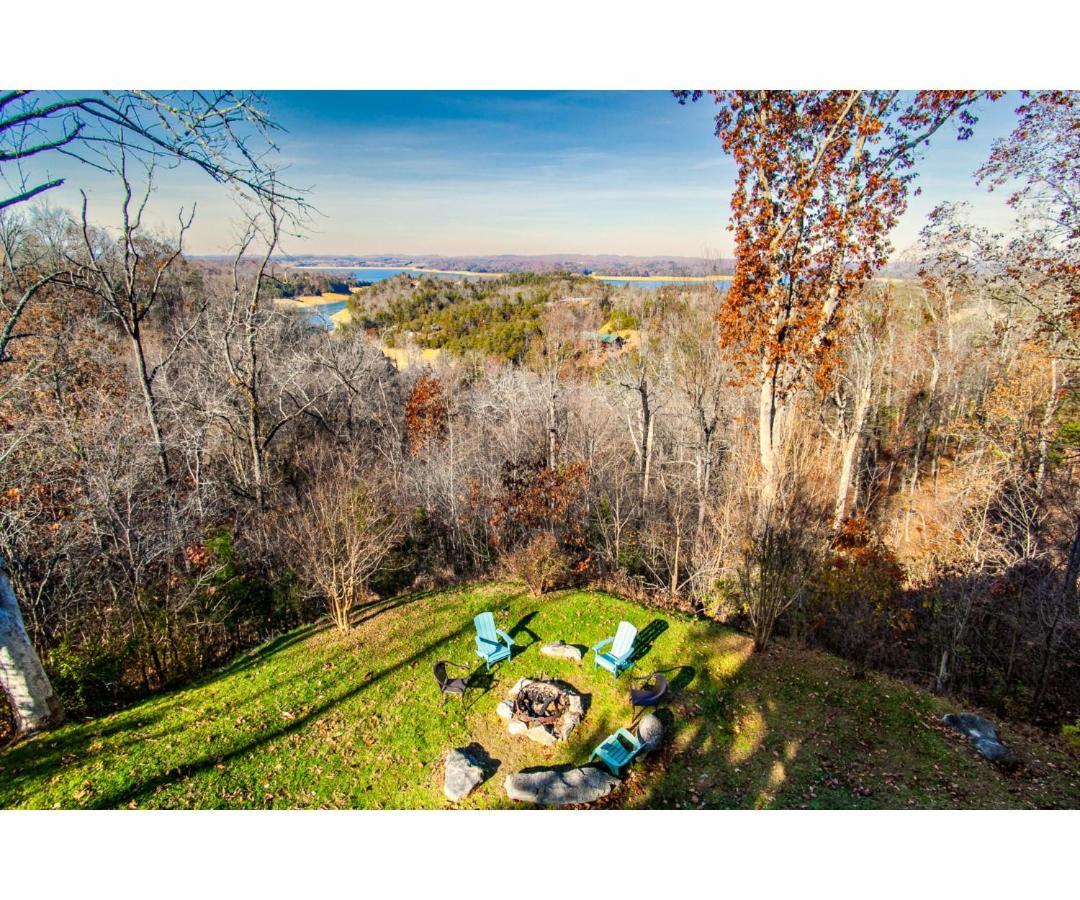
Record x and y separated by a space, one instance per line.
653 691
448 685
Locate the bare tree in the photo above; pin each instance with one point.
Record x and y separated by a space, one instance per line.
131 279
345 532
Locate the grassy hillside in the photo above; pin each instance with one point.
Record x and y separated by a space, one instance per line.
314 719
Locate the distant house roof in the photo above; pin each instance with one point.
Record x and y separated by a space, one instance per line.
601 337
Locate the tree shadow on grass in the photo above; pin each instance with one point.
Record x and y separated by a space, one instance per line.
369 611
46 754
207 761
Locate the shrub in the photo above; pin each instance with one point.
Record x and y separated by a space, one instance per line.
858 608
542 564
87 678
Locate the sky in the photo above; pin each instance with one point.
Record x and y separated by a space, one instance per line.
484 173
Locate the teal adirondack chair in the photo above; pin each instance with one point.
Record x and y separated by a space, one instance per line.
618 658
491 644
618 750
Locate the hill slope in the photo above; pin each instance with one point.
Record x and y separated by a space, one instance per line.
314 719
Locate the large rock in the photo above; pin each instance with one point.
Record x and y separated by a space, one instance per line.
975 727
984 736
541 735
463 774
516 689
569 722
505 710
549 787
516 726
561 650
650 731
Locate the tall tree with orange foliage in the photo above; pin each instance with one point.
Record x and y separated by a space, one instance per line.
822 178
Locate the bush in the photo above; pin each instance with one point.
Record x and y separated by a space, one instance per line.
542 564
87 678
858 607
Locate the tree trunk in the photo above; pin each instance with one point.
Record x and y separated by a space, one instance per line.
770 438
646 438
850 454
22 676
150 403
553 429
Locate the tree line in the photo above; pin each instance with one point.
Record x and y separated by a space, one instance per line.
886 470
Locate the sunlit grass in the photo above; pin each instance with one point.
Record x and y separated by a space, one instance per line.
318 719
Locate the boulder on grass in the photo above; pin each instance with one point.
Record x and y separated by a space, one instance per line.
463 774
984 736
550 787
562 650
975 727
650 731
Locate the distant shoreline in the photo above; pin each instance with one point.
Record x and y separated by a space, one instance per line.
419 269
596 276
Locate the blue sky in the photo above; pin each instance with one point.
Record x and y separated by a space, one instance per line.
516 172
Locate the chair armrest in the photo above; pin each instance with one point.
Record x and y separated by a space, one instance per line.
603 643
505 637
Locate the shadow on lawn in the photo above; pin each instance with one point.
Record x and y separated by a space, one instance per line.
521 626
369 611
646 638
722 747
487 763
207 761
480 683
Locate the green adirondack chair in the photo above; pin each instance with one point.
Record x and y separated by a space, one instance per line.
491 644
619 657
618 750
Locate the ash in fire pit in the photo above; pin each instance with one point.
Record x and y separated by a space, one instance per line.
544 711
540 702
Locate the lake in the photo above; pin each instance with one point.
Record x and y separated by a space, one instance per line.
320 315
375 274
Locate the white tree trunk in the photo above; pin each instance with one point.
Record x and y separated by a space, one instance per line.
850 453
770 441
22 676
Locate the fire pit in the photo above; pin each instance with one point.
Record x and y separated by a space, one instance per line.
543 711
540 703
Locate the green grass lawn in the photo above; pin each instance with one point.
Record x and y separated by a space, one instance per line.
318 719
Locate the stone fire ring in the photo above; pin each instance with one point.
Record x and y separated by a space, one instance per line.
547 733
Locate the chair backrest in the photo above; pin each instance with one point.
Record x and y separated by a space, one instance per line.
624 639
485 627
440 673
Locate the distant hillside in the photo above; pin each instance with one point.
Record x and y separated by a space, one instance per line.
553 262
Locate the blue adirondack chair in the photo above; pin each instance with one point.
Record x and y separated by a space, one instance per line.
617 750
491 644
618 658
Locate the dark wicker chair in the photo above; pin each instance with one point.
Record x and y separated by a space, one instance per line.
653 689
448 685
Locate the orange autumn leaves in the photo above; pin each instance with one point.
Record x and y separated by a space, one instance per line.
822 177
